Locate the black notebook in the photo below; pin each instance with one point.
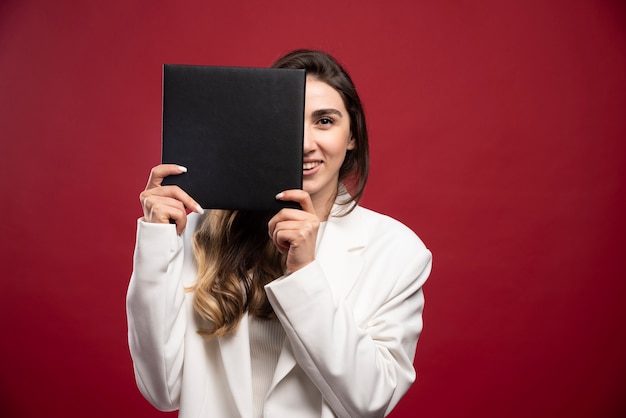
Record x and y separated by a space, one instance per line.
239 132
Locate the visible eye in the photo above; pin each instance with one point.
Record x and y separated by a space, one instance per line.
326 121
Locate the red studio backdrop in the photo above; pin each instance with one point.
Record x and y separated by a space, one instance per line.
498 134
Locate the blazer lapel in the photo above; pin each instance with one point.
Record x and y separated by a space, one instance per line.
340 249
286 362
235 352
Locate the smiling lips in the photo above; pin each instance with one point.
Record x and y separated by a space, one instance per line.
310 165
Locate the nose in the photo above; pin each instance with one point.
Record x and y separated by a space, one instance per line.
309 140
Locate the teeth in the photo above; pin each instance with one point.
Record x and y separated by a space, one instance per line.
308 166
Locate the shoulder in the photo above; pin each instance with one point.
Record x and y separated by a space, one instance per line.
380 227
389 249
381 240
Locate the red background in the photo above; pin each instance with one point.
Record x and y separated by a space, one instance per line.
497 134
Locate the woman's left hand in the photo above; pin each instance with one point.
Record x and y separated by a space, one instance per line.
294 231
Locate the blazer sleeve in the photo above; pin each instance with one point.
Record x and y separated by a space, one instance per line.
362 369
155 313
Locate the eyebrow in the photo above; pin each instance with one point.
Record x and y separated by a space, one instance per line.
322 112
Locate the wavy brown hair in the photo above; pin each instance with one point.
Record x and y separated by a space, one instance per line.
236 257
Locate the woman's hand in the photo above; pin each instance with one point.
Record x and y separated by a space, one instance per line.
294 231
166 204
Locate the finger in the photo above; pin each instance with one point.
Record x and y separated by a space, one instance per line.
158 173
293 214
298 196
153 200
164 211
305 225
288 214
173 192
289 233
274 229
281 242
300 252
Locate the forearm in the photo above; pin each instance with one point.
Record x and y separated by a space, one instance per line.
156 317
362 366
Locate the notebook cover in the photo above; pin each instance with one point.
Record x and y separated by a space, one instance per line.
239 132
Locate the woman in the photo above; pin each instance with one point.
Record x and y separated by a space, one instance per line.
315 313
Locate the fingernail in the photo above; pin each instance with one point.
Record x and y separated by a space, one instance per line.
280 195
199 210
182 169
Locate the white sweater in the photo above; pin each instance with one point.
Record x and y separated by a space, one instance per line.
266 341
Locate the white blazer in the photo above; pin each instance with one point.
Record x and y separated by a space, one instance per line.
352 319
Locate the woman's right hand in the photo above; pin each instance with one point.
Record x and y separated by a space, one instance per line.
166 204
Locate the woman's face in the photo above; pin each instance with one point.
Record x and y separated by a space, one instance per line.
327 138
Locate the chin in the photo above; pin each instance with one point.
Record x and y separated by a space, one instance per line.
309 190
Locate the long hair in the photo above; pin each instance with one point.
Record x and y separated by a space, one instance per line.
236 257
